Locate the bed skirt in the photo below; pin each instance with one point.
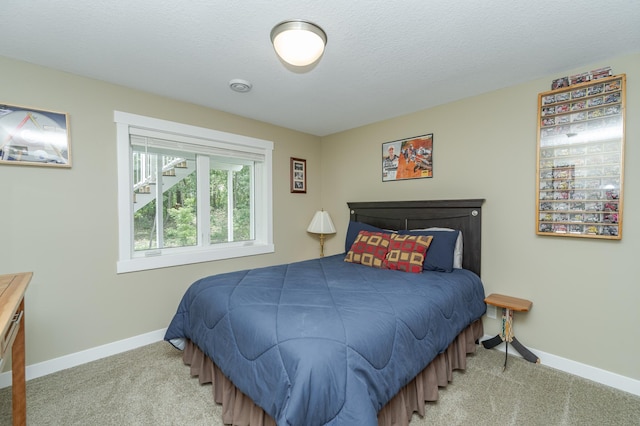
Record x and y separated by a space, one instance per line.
239 410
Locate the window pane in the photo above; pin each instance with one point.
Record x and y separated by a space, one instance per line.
175 172
144 226
218 199
230 202
180 224
242 204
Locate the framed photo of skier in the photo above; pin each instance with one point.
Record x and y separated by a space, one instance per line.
410 158
34 137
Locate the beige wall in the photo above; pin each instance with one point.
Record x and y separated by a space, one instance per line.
585 293
62 225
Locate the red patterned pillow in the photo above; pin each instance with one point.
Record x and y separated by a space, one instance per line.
369 248
407 252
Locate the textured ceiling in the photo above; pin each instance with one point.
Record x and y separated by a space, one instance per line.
383 58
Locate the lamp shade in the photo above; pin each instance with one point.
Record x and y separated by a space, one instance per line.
299 43
321 223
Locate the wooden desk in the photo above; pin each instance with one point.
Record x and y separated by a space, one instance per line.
509 305
12 288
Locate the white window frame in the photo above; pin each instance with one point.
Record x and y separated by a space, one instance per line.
128 260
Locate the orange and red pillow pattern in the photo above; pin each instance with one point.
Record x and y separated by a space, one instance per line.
407 252
389 251
369 249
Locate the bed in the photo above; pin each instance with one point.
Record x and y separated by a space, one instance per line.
337 340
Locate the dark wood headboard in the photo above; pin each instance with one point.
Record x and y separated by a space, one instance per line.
464 215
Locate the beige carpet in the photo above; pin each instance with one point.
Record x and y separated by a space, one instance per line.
151 386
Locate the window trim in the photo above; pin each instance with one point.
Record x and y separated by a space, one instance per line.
263 195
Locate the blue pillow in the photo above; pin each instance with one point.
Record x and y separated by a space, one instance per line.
441 251
354 229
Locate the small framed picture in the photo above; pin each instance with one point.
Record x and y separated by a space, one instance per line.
34 137
298 175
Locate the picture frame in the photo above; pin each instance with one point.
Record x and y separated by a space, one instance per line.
580 160
409 158
34 137
298 175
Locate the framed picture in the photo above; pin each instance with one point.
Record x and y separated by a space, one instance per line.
33 137
298 175
410 158
580 160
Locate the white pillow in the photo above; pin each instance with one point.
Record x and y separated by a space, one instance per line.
457 250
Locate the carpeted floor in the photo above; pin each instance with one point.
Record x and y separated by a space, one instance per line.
151 386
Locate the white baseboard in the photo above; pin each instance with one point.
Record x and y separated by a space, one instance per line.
598 375
72 360
585 371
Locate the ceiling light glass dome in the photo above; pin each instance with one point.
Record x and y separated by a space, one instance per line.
299 43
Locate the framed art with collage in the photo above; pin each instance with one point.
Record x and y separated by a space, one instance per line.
580 159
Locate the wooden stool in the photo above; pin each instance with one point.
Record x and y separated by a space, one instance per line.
508 305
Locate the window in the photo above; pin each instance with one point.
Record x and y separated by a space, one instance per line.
188 194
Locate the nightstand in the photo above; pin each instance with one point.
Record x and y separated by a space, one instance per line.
509 305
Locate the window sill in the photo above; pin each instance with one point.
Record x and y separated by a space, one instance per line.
191 256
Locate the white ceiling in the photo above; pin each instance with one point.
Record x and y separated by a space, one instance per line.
383 58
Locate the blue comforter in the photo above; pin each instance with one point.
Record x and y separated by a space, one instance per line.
325 341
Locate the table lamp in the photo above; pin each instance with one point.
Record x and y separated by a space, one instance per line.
321 224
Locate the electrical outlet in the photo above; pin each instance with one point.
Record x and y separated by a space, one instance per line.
491 311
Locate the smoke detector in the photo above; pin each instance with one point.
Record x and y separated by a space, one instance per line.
238 85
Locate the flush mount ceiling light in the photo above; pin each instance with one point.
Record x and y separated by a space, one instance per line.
299 43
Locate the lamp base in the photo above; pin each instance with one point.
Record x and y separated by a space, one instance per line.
321 245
